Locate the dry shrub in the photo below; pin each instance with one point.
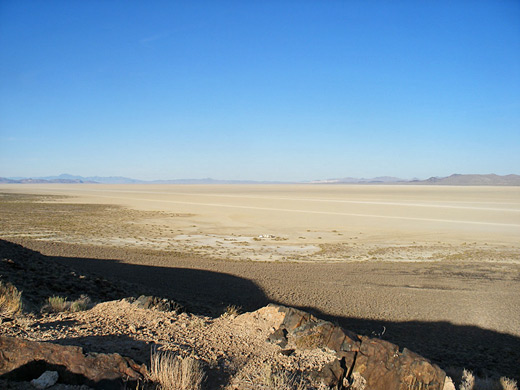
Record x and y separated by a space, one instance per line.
172 372
232 311
57 304
80 304
276 379
469 382
10 300
508 384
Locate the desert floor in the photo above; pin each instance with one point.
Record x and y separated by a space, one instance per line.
432 268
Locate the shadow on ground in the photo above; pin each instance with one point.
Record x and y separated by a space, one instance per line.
206 292
202 291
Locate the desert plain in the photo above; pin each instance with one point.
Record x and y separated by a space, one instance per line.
432 268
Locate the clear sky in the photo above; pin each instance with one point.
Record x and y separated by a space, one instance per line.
262 90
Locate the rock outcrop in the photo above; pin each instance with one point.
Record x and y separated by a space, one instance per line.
26 360
157 303
376 363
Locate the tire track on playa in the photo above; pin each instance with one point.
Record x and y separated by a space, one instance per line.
315 212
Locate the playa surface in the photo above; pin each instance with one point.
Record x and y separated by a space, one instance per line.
303 222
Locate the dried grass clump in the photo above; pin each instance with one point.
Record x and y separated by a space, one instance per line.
468 381
232 311
10 300
508 384
80 304
172 372
274 379
57 304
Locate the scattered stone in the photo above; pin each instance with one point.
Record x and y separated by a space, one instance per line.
47 379
279 337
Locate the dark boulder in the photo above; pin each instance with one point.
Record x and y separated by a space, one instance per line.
157 303
380 363
23 360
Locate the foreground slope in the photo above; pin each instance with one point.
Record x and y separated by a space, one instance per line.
227 345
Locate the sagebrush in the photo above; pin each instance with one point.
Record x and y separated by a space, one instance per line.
10 300
232 311
57 304
172 372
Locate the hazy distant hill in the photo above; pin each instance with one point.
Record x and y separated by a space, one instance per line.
5 180
91 179
41 181
454 180
353 180
66 178
473 180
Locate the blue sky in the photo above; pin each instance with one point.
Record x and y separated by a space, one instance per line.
263 90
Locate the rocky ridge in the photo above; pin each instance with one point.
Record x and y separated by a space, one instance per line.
236 352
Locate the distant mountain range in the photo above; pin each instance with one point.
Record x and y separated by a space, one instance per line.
66 178
454 180
473 180
73 179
